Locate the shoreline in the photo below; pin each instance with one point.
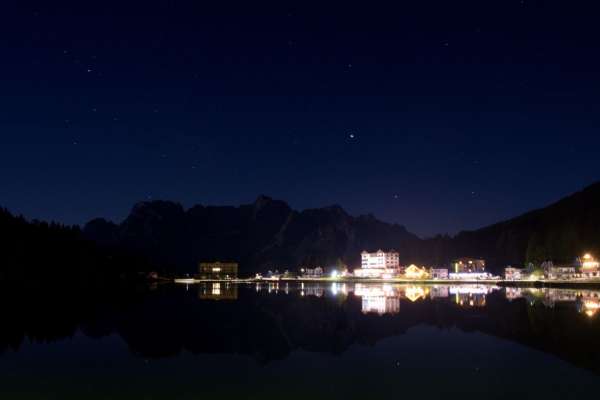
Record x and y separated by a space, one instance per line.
498 282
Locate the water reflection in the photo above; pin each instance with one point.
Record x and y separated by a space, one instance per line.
271 320
218 291
581 300
386 298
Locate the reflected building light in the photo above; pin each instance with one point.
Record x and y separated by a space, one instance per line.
513 293
218 291
334 289
379 299
414 293
438 291
590 305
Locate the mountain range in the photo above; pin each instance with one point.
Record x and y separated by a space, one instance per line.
268 234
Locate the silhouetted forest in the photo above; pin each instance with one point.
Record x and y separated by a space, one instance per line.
38 253
560 233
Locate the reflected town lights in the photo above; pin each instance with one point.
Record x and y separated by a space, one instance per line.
415 293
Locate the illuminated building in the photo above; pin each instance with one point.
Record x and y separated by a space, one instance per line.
218 270
468 265
512 274
561 272
378 265
438 273
312 272
414 272
589 267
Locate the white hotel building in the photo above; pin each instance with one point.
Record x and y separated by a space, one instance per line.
378 265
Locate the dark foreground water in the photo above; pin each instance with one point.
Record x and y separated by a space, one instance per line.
294 341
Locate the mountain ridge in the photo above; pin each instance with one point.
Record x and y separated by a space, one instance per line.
269 234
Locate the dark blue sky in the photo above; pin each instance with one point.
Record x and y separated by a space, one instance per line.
440 116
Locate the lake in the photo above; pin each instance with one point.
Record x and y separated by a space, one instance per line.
299 341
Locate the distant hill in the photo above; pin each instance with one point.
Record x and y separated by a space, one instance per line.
268 234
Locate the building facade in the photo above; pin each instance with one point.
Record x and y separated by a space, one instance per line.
469 276
311 272
379 264
589 267
561 272
414 272
513 274
218 270
439 273
468 265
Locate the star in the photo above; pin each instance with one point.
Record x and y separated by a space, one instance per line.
351 135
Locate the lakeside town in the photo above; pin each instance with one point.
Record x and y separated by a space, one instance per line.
385 266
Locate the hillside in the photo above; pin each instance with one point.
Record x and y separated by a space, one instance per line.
559 232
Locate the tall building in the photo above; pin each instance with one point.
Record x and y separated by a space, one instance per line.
380 264
218 270
468 265
380 259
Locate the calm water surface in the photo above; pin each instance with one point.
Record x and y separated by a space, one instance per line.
299 341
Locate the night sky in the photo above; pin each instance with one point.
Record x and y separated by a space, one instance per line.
440 116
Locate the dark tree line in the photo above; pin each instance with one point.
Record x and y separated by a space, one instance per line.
40 252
